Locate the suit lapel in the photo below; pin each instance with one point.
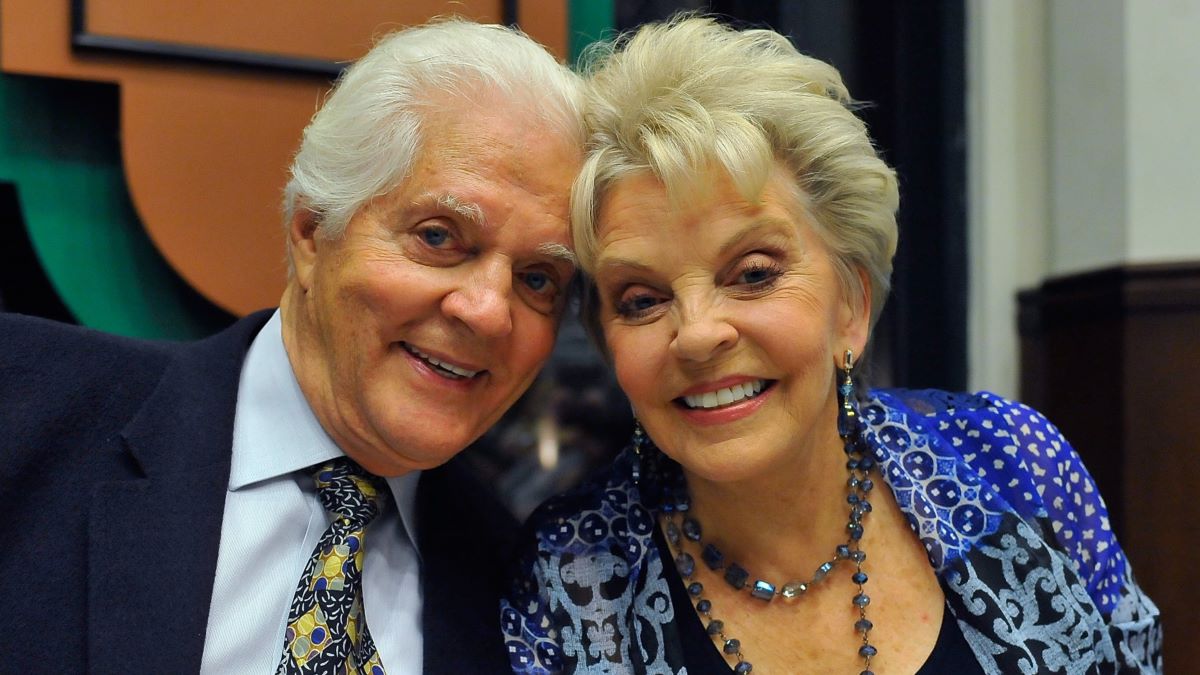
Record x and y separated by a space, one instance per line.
153 541
465 537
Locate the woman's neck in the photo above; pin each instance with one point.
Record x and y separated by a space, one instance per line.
784 523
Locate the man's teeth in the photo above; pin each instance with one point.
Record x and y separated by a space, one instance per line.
441 365
725 396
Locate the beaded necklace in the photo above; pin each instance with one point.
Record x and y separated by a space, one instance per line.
681 527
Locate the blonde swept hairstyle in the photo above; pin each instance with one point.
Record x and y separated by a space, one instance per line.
676 99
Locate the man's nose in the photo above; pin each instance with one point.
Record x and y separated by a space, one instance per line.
483 299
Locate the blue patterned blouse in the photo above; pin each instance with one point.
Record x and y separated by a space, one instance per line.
1012 521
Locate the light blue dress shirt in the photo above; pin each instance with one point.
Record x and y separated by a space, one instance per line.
273 520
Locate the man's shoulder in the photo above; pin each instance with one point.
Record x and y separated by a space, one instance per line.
67 375
41 358
44 347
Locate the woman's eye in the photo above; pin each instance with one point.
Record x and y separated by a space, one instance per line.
637 305
757 275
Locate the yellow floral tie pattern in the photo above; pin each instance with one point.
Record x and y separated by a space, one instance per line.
327 630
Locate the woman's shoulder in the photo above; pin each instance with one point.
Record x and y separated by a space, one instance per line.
605 506
1007 444
969 422
1019 456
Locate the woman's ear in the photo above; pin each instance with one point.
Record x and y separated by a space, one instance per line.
856 315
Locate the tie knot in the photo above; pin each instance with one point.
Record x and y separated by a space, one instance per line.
350 491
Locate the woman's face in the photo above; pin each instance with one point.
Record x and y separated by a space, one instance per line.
725 321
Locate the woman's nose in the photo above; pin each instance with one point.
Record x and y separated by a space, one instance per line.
702 333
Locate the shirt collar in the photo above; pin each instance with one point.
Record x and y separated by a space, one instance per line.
275 431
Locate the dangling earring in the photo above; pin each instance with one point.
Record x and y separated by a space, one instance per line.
848 406
639 441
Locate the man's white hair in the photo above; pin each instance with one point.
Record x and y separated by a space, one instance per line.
366 137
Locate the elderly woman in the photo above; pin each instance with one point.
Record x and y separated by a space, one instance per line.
737 227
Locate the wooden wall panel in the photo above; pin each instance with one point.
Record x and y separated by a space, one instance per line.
1113 358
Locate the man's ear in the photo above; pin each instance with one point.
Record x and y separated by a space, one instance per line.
303 242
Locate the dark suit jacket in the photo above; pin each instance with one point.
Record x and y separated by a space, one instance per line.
113 471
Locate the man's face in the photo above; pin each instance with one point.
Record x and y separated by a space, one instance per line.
418 328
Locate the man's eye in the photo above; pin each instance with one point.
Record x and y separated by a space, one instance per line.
435 236
539 282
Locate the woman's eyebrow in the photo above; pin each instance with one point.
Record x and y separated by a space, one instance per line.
768 224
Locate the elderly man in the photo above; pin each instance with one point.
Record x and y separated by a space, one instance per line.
276 498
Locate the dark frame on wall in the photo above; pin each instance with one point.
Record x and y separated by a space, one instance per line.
85 39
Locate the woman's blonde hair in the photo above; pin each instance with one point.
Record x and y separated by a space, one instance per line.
676 98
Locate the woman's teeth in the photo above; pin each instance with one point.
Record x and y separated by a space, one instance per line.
446 368
726 396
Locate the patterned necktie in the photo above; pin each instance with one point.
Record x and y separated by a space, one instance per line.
327 630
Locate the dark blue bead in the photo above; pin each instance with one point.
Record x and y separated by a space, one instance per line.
852 482
867 651
867 485
863 625
695 588
736 576
715 627
673 534
691 529
852 464
712 556
856 531
743 667
763 590
686 564
858 556
867 672
852 498
859 578
862 600
867 463
823 571
732 646
843 551
704 606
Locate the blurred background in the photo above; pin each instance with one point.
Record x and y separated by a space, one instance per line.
1050 247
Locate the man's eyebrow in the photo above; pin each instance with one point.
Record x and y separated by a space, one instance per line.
469 211
558 252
